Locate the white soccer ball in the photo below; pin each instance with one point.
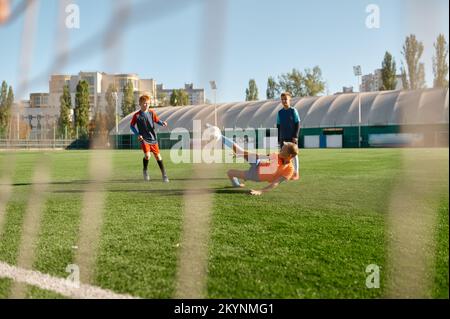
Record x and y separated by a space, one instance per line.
216 133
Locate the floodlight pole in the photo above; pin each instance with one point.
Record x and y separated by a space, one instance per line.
358 73
215 108
214 89
116 99
359 112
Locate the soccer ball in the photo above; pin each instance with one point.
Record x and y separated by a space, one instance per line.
216 133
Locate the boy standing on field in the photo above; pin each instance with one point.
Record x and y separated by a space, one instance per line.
145 121
288 124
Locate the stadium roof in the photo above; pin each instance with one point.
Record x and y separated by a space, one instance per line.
427 106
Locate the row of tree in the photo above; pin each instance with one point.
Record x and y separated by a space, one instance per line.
310 82
412 69
307 83
80 122
104 119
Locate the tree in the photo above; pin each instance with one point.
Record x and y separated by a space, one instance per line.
82 108
174 98
313 83
272 88
412 52
440 64
98 131
9 105
65 102
162 99
309 83
10 98
5 107
421 84
23 131
110 116
405 82
184 97
388 73
179 97
292 82
128 103
251 93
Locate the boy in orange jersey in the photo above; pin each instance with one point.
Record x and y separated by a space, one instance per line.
274 168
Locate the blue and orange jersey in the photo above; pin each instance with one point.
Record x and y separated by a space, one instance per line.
145 122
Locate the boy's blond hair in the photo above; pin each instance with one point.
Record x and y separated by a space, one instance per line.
286 94
290 148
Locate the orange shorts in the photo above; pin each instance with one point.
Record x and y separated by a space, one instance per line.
152 148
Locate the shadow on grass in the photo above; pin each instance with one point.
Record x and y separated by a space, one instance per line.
82 182
163 192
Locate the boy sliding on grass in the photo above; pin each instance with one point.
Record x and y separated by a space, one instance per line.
145 120
274 168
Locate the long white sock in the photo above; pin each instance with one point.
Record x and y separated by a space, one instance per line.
296 164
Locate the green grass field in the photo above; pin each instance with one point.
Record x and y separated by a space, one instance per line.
307 239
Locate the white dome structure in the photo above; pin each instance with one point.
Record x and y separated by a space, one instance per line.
427 106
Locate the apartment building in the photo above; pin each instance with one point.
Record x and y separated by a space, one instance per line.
196 96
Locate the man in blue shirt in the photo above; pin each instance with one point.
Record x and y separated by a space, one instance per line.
288 124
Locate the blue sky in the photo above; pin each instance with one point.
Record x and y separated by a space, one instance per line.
181 41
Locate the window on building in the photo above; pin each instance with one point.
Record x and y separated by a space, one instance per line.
90 80
37 101
122 83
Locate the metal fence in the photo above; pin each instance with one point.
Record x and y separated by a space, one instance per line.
44 144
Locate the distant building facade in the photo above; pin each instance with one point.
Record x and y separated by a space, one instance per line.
39 100
372 82
98 86
37 115
196 96
347 89
42 110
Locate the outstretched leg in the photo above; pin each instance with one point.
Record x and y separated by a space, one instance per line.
234 175
239 151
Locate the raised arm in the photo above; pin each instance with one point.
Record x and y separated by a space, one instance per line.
268 188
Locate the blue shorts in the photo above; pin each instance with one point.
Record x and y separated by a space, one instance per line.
252 173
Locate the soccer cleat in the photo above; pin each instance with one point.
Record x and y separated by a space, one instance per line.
235 182
146 176
165 179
